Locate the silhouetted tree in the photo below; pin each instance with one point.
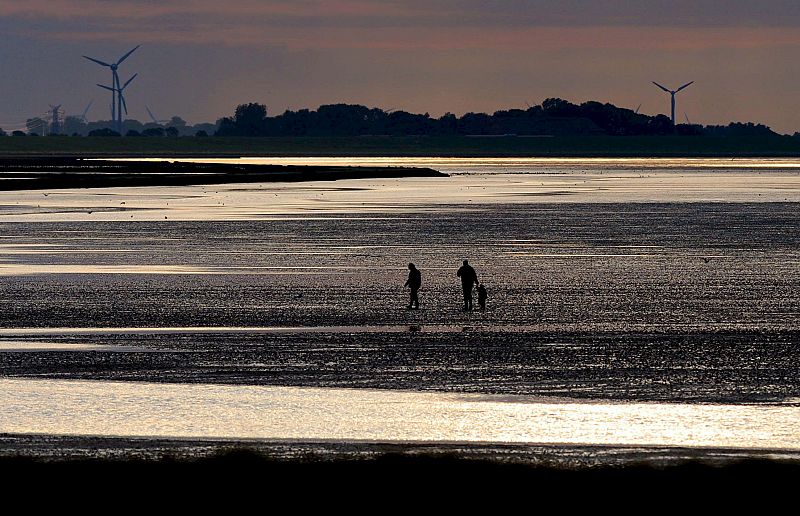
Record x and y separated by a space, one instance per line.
171 132
74 124
105 133
206 127
448 124
133 133
560 108
248 120
475 123
739 129
157 132
400 123
689 129
176 121
553 117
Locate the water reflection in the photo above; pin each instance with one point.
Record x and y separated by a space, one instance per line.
473 182
621 163
177 410
32 346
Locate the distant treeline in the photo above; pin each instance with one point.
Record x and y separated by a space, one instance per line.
76 126
554 117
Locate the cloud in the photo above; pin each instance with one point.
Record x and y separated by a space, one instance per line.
153 9
442 13
411 24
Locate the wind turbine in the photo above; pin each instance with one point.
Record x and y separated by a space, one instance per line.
113 105
121 104
85 111
55 115
115 102
672 95
153 117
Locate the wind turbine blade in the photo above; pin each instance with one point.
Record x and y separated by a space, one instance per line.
124 104
97 61
152 116
87 110
116 79
660 86
106 87
637 109
684 86
129 81
121 59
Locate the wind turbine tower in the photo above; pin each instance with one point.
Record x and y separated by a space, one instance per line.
121 104
55 119
116 103
672 95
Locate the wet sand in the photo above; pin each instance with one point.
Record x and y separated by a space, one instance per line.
561 456
679 301
687 366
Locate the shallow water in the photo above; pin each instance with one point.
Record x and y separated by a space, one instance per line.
473 182
247 412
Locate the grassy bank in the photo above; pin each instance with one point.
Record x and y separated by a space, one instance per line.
599 146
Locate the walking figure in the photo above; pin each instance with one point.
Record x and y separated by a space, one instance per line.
414 282
482 295
468 278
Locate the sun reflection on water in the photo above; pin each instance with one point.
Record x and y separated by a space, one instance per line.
76 407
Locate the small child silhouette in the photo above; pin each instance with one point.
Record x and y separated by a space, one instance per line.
482 296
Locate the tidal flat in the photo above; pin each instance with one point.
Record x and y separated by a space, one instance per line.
631 284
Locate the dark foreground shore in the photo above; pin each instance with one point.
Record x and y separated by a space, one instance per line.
53 173
90 470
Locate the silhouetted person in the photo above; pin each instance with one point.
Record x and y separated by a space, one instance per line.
482 295
414 282
468 278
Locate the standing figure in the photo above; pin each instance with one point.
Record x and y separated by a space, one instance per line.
482 295
468 278
414 282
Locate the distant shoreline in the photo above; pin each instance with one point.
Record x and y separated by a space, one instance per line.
404 146
59 173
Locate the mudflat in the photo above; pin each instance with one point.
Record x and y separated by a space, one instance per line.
665 290
671 302
59 173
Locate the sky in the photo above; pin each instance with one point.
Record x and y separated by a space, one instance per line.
200 58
